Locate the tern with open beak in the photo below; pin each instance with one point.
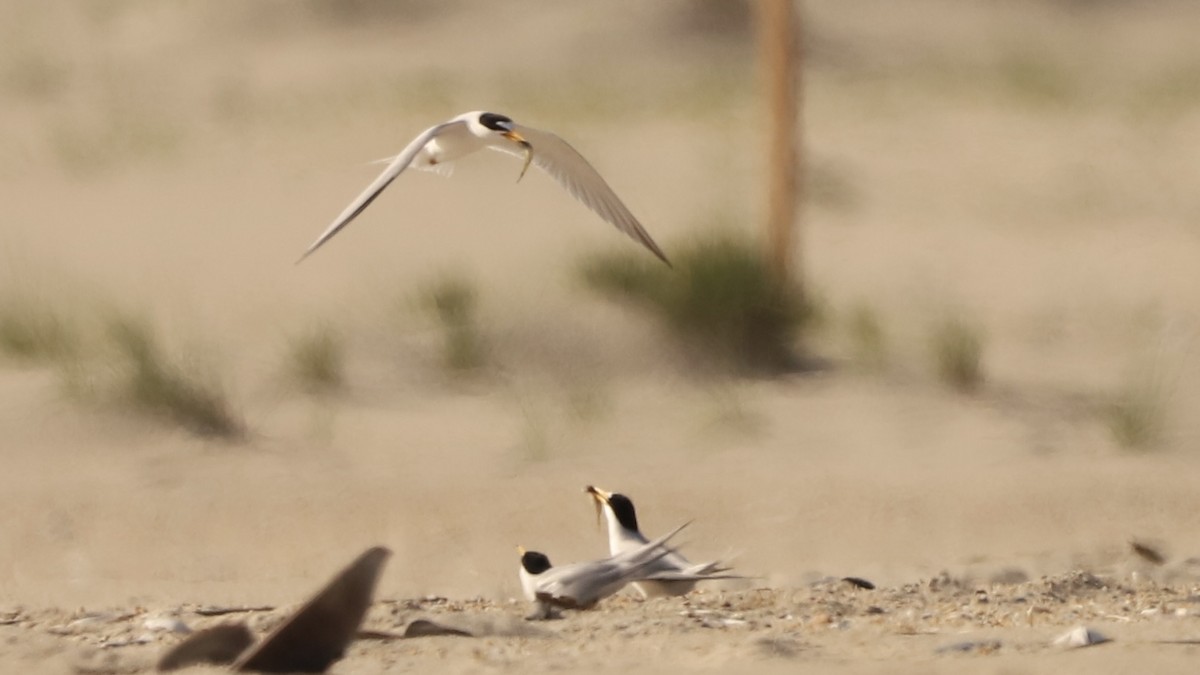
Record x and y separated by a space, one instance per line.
581 585
624 536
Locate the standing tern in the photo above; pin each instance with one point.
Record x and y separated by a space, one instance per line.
442 143
624 536
581 585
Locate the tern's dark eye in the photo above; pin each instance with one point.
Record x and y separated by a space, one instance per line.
495 122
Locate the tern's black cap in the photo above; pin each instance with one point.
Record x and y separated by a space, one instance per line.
622 507
495 122
535 562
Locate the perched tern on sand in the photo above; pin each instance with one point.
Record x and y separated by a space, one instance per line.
624 536
440 144
582 585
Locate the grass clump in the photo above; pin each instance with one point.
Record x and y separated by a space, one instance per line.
957 348
454 301
868 339
31 332
721 298
1036 79
1137 413
1136 417
316 359
152 384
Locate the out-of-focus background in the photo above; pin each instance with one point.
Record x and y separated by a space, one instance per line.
999 244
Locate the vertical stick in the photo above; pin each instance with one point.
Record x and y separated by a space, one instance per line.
779 61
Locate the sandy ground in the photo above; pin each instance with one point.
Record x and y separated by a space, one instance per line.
1031 167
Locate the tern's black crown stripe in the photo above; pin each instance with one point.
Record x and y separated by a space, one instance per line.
622 507
495 122
534 562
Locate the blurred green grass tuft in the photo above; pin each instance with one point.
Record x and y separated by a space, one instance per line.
32 332
316 359
721 299
152 384
454 301
957 350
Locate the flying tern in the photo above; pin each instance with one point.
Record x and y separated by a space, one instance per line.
440 144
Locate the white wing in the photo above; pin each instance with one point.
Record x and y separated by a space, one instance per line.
564 163
398 164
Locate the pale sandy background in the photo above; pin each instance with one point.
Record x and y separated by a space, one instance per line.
1031 166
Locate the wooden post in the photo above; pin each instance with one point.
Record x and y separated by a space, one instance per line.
779 62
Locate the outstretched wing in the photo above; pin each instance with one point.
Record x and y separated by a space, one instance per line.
564 163
397 166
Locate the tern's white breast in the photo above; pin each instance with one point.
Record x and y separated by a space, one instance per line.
448 146
528 584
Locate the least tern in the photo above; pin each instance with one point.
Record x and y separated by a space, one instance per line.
624 536
581 585
440 144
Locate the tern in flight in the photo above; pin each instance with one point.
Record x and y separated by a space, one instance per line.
437 146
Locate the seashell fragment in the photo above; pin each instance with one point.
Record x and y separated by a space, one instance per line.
1080 636
166 624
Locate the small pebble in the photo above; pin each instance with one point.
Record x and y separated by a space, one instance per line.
166 624
1080 636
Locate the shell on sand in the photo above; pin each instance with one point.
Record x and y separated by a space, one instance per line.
166 624
1081 636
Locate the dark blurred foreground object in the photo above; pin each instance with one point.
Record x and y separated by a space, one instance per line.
309 641
859 582
216 645
1148 552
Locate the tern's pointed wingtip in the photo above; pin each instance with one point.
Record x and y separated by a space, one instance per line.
658 252
311 250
